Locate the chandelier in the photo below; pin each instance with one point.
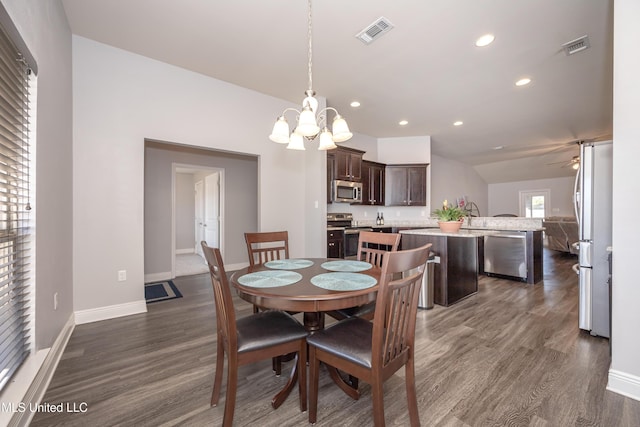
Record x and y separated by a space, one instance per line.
310 122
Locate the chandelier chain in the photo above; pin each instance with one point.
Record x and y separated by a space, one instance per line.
310 49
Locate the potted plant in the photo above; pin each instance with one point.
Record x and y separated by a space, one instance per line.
450 217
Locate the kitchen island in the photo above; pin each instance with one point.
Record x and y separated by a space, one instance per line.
462 258
456 276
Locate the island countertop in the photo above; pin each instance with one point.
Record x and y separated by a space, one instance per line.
462 233
474 223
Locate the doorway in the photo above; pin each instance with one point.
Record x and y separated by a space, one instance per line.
198 198
534 203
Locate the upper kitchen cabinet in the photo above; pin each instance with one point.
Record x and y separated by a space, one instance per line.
331 171
406 185
372 183
348 164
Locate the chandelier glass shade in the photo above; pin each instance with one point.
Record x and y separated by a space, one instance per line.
309 121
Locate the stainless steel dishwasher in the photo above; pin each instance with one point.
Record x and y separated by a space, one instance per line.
505 253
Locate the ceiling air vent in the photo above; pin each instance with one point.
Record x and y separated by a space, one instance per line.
375 30
577 45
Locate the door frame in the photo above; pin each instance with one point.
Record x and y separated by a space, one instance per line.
186 168
523 194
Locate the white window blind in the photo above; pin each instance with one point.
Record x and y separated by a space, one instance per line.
15 234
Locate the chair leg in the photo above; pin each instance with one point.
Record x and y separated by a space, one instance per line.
230 398
314 368
412 401
276 365
217 382
302 375
377 397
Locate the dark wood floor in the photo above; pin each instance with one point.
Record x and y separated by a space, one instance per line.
510 355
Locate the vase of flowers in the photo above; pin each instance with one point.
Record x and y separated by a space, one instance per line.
450 217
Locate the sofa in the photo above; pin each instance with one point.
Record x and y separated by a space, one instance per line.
561 233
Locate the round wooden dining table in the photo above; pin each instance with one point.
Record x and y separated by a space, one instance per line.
303 296
306 297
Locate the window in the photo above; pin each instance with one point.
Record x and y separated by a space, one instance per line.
534 203
15 232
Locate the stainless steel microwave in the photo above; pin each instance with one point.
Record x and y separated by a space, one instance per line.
347 191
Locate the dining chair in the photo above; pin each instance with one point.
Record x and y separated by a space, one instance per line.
374 351
267 246
372 248
262 248
249 339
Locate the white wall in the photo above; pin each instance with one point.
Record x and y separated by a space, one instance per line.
119 100
412 149
624 376
505 197
43 27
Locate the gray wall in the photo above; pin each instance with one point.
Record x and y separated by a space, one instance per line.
44 29
505 197
451 179
185 211
241 200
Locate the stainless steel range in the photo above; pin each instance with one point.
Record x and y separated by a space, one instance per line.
344 221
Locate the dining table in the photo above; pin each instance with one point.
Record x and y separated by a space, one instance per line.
311 286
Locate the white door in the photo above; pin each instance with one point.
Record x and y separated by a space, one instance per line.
212 210
535 203
199 217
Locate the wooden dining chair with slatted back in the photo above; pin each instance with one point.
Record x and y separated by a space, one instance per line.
262 248
249 339
372 247
267 246
374 351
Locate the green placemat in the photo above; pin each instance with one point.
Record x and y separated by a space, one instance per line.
288 264
346 266
269 278
343 281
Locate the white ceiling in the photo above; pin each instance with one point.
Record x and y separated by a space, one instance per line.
426 70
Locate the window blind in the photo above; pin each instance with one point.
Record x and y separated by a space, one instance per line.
15 234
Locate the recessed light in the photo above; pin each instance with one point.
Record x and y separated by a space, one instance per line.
498 147
458 123
523 82
403 122
355 104
485 40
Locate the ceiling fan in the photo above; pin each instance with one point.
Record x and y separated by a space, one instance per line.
574 163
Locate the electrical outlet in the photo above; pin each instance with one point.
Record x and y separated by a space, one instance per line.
122 275
55 301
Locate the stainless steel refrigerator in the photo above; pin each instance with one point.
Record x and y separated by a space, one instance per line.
593 210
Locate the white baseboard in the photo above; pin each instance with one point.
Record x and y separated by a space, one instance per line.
185 251
110 312
39 383
234 267
624 384
157 277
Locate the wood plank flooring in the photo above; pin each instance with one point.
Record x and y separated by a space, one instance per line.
510 355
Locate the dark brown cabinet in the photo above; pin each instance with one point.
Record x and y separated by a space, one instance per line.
331 168
406 185
348 164
373 183
335 244
456 274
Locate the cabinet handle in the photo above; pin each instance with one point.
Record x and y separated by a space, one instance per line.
332 244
